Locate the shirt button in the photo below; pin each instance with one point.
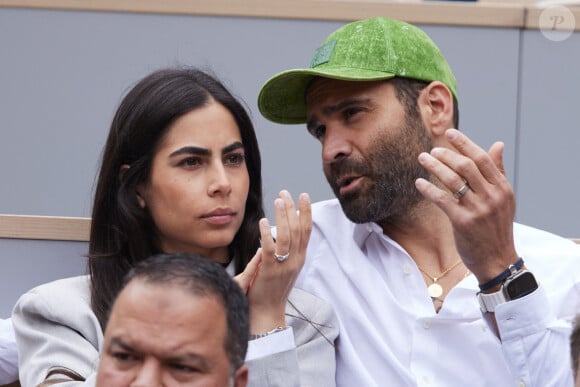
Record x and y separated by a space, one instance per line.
426 379
369 227
426 324
522 384
407 269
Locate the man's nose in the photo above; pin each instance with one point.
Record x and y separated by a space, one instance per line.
149 375
336 144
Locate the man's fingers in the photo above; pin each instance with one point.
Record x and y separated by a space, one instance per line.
487 167
496 154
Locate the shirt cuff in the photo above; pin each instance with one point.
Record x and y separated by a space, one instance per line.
273 343
525 316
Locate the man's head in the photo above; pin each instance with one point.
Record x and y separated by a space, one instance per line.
575 350
367 50
179 320
378 93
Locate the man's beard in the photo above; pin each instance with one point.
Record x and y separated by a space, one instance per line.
390 169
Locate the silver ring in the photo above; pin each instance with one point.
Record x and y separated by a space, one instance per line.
281 258
461 191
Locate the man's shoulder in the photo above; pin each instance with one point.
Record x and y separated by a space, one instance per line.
547 254
526 236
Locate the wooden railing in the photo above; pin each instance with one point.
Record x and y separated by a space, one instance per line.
44 227
54 228
490 13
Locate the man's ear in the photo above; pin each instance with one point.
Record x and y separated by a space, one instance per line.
138 191
436 107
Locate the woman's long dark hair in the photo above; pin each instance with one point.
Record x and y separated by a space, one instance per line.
122 233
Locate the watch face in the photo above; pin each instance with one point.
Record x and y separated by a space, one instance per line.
522 285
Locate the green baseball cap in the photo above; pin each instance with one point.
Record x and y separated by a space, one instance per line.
365 50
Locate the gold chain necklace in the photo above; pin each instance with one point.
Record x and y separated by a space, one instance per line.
435 290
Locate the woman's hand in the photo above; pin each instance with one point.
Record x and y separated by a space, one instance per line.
269 277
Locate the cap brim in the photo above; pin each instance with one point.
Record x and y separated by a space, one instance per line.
282 99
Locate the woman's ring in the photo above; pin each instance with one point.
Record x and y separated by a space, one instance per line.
281 258
461 191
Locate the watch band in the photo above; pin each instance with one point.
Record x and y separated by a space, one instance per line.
519 284
488 302
510 271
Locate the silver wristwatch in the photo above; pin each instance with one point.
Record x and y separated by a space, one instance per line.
519 284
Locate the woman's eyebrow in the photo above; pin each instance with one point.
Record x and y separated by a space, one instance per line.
196 150
232 147
191 150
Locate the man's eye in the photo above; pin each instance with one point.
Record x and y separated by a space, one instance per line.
235 159
319 132
350 112
183 368
123 356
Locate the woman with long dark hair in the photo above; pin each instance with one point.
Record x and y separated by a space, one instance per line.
181 172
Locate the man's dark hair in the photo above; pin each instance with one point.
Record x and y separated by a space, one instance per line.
407 91
201 277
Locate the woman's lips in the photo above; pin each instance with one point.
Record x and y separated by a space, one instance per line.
219 217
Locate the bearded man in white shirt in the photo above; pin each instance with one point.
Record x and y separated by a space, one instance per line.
432 282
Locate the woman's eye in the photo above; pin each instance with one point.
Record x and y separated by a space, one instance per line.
190 162
234 159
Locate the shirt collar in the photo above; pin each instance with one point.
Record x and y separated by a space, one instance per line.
363 231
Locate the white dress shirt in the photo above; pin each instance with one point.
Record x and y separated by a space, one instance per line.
390 334
8 353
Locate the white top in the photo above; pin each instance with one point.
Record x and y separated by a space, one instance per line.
8 354
391 335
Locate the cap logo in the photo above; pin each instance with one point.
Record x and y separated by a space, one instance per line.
322 54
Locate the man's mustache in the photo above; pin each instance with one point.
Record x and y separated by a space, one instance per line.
348 167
